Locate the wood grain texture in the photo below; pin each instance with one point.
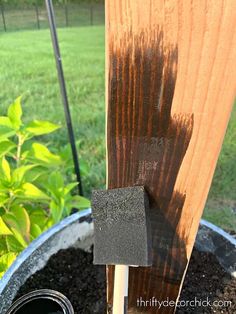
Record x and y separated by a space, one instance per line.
170 83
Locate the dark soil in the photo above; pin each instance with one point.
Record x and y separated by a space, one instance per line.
207 280
72 273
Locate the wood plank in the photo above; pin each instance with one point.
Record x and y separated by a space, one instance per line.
170 84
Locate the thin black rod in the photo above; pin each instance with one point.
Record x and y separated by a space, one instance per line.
61 79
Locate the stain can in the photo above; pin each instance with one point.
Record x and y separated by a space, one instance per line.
43 301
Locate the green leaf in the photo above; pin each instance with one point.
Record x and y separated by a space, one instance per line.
42 154
5 262
49 223
5 147
35 173
3 245
5 121
5 169
56 211
13 245
2 211
35 231
6 132
15 113
30 191
38 127
23 222
69 187
19 173
39 217
66 155
10 219
12 222
4 198
54 185
81 202
19 238
56 180
4 230
5 185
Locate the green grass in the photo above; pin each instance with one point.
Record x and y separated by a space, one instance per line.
27 66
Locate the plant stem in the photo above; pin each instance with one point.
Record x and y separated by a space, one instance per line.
18 153
10 203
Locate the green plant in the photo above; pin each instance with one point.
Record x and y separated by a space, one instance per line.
33 194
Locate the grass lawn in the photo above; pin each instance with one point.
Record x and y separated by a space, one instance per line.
27 67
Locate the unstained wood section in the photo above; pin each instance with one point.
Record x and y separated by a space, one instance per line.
170 85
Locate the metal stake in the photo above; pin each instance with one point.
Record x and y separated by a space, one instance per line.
61 79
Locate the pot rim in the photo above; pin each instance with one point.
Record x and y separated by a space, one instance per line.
218 230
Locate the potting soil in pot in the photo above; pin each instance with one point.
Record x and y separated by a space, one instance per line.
72 273
207 280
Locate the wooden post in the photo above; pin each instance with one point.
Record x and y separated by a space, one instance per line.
170 84
91 12
3 17
37 15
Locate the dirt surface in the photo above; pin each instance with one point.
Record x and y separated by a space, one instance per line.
206 280
72 273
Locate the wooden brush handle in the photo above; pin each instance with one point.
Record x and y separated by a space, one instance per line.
120 288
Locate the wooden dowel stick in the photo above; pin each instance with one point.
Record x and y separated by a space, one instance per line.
120 288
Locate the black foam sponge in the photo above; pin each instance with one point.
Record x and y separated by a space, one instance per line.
121 227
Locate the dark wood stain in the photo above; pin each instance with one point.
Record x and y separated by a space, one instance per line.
146 146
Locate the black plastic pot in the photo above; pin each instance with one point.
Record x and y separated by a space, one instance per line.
42 301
